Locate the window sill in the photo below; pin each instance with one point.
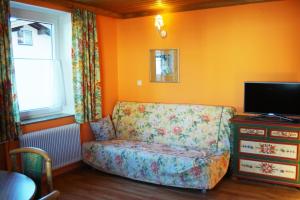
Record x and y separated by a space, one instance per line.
47 118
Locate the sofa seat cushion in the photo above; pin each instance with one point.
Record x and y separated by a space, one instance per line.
158 163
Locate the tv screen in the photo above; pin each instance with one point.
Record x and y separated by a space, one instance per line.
272 98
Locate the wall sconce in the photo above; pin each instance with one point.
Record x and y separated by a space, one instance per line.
159 23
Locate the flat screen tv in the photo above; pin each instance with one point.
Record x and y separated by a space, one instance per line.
272 98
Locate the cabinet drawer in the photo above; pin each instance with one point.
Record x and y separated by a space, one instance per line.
270 169
287 134
280 150
252 131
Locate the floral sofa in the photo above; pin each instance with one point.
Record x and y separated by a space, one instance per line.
169 144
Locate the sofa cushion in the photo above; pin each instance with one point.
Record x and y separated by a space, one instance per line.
103 129
197 126
157 163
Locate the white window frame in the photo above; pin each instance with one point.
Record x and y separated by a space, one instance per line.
61 46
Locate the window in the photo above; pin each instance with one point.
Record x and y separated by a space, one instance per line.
41 41
25 37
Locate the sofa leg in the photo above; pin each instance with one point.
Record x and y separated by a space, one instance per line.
203 191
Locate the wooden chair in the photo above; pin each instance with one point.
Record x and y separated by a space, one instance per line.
32 166
54 195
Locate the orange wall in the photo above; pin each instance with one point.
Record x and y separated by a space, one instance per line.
107 37
219 49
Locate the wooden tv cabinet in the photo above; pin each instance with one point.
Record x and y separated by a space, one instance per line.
266 150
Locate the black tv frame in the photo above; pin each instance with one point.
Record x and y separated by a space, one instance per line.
267 116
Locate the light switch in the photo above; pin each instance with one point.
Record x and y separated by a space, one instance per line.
139 83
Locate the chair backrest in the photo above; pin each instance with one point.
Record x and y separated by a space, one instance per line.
54 195
32 166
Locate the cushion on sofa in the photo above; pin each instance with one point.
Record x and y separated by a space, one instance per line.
158 163
103 129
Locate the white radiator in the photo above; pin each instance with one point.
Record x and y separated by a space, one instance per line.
61 143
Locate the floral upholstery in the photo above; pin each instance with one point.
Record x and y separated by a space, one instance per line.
170 144
188 125
157 163
103 129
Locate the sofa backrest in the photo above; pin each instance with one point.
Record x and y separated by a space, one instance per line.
197 126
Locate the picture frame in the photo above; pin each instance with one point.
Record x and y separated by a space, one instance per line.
164 65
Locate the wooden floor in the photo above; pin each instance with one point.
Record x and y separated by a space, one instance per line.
87 183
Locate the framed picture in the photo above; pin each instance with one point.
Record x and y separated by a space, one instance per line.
164 65
25 37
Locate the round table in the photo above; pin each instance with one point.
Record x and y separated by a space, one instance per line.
16 186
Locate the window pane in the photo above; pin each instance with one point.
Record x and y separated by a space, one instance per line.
36 83
32 39
42 41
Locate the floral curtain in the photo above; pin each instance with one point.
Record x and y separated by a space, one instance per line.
86 67
9 109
